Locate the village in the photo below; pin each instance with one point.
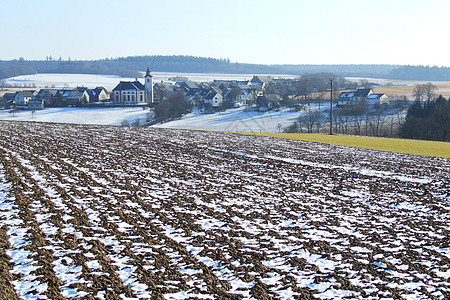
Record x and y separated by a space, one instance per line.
261 93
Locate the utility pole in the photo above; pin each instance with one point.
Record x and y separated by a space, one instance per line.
331 105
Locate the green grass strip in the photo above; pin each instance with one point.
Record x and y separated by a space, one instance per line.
429 148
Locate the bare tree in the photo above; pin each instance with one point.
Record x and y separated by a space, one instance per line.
279 127
379 119
304 86
358 112
430 91
425 92
310 120
418 92
391 123
136 123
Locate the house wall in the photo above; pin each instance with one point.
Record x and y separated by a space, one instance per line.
384 99
216 101
35 105
345 101
129 97
20 99
125 96
85 96
103 96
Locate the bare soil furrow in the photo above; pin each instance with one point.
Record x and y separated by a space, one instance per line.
133 212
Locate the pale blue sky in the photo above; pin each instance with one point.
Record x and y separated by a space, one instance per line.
270 32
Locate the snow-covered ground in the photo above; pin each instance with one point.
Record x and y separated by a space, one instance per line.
237 119
99 116
65 80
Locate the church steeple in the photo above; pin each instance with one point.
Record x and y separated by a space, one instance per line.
147 73
149 85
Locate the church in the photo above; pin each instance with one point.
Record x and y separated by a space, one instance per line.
134 92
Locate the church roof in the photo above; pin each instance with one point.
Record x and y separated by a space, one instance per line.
129 85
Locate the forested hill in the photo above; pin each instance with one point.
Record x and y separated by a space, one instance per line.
130 66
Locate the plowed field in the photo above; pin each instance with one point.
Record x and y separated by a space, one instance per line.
110 212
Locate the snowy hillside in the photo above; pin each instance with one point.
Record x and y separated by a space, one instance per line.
100 116
237 119
110 81
231 120
111 212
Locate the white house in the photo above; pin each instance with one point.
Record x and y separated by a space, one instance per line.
214 97
378 99
99 94
352 98
22 98
78 96
134 92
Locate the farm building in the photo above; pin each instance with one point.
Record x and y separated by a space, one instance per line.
378 99
354 97
35 104
78 96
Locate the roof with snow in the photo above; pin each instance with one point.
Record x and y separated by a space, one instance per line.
44 92
189 85
213 91
9 96
347 94
375 96
261 79
26 93
363 92
35 102
71 94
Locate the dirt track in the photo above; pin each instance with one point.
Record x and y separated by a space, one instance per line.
108 212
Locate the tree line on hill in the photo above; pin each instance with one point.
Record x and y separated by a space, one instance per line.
423 73
130 67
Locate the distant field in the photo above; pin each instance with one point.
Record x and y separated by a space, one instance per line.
406 88
429 148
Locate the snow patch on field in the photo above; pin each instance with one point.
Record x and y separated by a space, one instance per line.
73 115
